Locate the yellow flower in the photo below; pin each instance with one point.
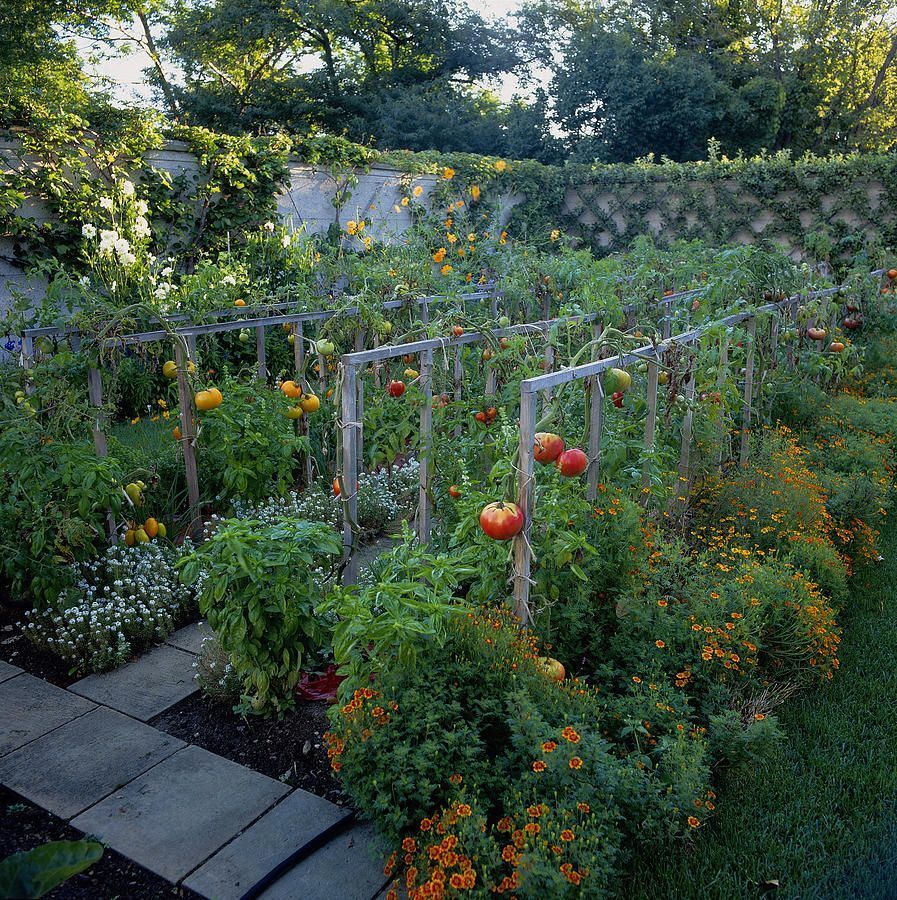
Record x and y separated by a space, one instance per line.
396 207
405 201
446 269
351 227
555 234
500 165
471 237
448 173
418 190
475 192
439 255
368 241
451 238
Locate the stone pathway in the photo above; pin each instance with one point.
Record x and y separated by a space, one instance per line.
195 818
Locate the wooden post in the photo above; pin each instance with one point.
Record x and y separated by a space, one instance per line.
95 392
359 403
457 377
27 360
721 376
681 489
549 365
302 427
187 441
667 326
262 371
525 493
650 428
191 346
426 445
596 422
791 343
349 490
748 391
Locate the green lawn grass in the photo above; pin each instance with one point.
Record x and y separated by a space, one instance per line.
819 815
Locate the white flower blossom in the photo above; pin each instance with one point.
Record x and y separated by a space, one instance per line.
106 203
89 231
127 188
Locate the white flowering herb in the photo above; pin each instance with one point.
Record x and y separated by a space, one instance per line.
124 601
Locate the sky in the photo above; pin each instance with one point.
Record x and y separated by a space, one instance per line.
123 75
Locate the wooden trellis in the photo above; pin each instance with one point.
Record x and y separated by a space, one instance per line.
353 414
592 372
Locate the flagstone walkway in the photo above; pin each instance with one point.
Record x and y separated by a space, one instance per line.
87 755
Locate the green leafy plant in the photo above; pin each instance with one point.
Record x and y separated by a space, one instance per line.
34 873
260 587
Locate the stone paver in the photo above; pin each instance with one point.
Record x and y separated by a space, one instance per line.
7 670
347 868
30 707
175 816
81 762
265 844
190 637
146 687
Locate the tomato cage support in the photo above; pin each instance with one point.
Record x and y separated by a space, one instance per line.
652 354
184 340
352 409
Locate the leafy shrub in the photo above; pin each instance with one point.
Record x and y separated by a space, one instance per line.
474 729
36 872
260 585
123 602
53 504
247 445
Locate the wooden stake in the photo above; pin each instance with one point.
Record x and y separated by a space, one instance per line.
681 489
188 436
525 494
426 446
748 391
596 423
650 429
349 492
262 371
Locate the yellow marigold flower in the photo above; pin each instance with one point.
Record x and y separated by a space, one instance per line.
351 227
555 234
418 190
405 201
448 173
446 269
471 237
475 192
500 165
451 238
439 255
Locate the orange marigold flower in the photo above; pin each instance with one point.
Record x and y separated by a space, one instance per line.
463 810
694 821
456 778
509 853
570 734
409 845
583 807
568 835
534 811
659 644
549 747
532 828
505 824
575 762
539 766
426 824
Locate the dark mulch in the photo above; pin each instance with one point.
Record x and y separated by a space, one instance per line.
15 648
24 826
291 748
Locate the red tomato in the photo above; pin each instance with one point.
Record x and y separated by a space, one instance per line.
480 417
501 521
572 462
617 399
548 447
454 492
816 334
396 388
457 330
491 413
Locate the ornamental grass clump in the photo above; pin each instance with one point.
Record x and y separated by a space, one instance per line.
123 602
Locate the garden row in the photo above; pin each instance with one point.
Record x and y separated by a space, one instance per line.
687 557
